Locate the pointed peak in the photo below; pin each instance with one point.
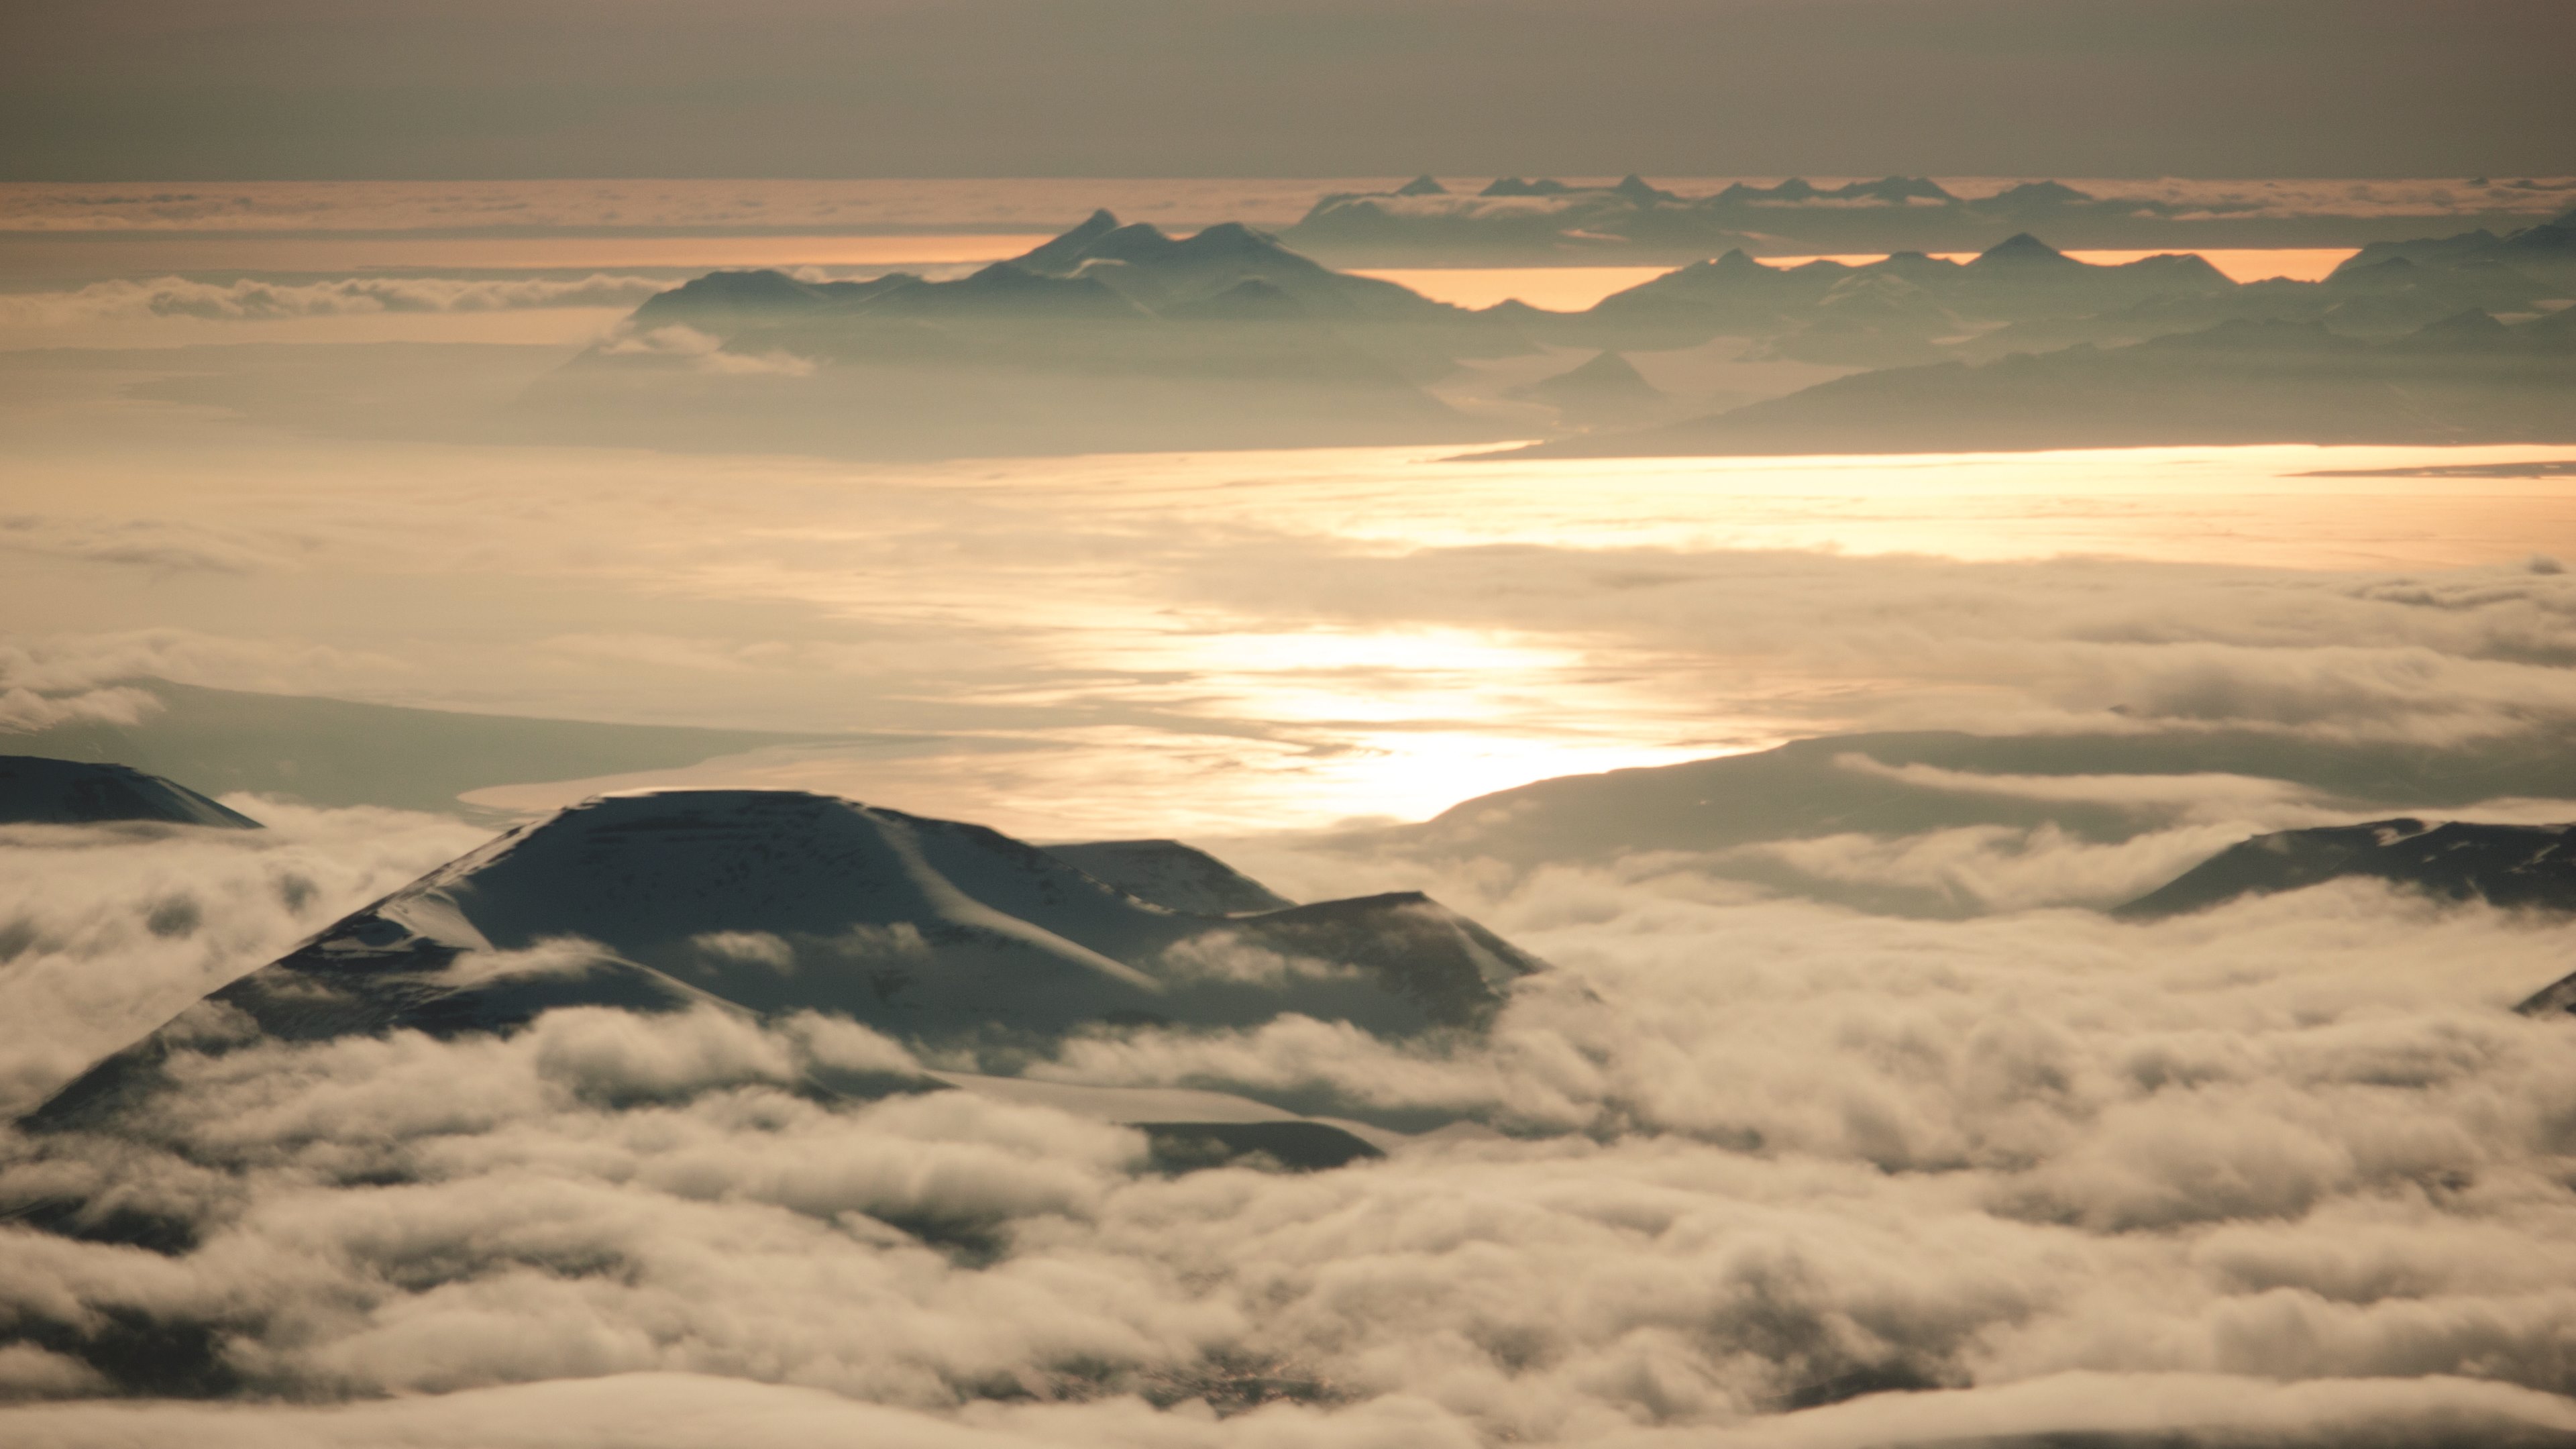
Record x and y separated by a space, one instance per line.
1232 233
1605 366
2021 247
1064 251
1424 185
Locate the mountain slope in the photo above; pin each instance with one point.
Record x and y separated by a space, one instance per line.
779 901
38 790
1172 875
2528 866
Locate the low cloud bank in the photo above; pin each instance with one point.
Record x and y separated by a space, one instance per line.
247 300
2288 1173
106 931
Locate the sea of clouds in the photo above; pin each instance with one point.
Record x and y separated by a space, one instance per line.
1746 1163
251 299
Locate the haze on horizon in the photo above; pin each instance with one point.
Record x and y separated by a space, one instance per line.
287 89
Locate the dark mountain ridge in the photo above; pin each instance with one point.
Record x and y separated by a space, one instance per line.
2513 866
1110 337
40 790
2465 379
774 902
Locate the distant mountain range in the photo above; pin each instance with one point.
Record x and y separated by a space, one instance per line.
2021 295
770 902
2466 379
1109 337
1536 222
1119 337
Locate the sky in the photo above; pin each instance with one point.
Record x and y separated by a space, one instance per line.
309 89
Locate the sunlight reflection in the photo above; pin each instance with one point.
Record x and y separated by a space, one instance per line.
1193 642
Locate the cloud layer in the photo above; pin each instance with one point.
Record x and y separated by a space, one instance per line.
106 931
2287 1173
244 300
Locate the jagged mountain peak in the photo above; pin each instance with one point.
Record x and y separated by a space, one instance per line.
1063 252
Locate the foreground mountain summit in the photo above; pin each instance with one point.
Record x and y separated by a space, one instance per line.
777 901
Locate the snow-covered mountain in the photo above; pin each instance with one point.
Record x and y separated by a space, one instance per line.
2524 867
1172 875
35 790
2528 866
779 901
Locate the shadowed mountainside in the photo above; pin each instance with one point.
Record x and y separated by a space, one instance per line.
1172 875
777 902
37 790
2514 866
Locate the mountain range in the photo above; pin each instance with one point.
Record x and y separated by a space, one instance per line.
2022 295
1116 337
1109 337
1536 222
2470 378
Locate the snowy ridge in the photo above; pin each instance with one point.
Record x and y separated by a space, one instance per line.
771 902
2525 866
1172 875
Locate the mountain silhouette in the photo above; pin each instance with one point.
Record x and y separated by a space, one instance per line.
38 790
2246 381
2521 866
778 901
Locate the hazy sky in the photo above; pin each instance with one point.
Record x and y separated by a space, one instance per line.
184 89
